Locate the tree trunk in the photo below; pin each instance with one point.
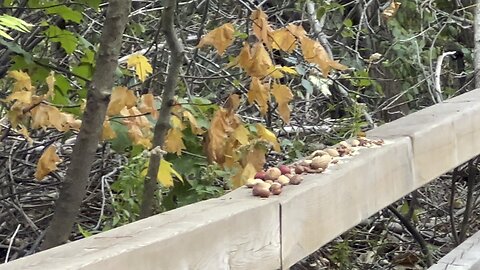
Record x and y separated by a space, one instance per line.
163 123
74 186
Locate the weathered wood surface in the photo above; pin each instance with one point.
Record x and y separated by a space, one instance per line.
239 231
464 257
215 234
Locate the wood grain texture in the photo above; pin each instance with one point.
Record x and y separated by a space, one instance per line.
215 234
325 205
239 231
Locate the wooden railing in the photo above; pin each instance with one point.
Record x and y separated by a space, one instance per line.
239 231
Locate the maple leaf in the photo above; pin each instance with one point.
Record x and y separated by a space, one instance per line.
243 175
255 156
283 39
255 61
147 105
174 142
22 96
139 128
297 30
221 38
141 65
22 81
47 163
224 122
108 133
283 95
233 102
391 10
196 129
165 171
174 138
120 98
50 84
314 52
241 135
261 28
268 136
260 94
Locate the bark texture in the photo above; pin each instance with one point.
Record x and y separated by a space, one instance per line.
163 123
74 186
477 44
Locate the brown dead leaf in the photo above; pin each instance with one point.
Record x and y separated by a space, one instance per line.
260 94
221 38
283 95
47 163
261 27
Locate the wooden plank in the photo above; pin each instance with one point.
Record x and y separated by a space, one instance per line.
443 136
215 234
465 256
325 205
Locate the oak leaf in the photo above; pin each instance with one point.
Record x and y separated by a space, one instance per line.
221 38
47 163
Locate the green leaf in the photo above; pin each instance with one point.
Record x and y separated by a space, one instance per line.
95 4
67 39
66 13
83 70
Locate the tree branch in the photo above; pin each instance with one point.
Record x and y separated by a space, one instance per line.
163 123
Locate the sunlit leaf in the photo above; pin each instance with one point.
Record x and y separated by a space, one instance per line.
267 135
141 65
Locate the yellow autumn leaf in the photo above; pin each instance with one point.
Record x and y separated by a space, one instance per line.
174 142
50 84
243 175
260 94
268 136
147 105
121 97
288 70
314 52
255 61
22 96
296 30
196 129
241 134
165 172
221 38
261 27
283 95
108 133
275 73
391 10
47 163
223 123
283 39
260 61
176 123
138 137
24 131
256 157
141 65
22 81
